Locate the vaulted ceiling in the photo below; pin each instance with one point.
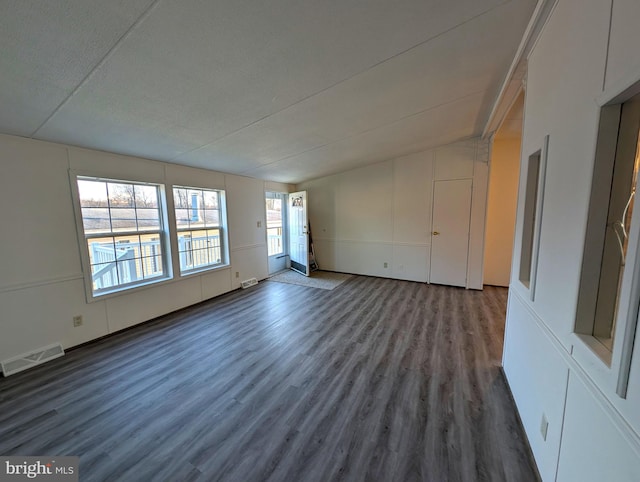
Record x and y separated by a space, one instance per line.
285 90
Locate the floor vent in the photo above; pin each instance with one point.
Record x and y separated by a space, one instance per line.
31 359
248 283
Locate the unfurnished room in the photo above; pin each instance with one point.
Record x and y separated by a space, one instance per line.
297 241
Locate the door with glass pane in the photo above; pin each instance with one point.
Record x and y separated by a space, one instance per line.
276 204
298 232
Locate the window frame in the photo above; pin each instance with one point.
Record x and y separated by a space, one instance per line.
163 233
532 217
282 197
222 228
610 369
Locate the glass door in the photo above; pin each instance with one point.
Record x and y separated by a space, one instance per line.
276 205
299 232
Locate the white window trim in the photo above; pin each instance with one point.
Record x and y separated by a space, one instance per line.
586 350
283 196
82 238
224 232
537 226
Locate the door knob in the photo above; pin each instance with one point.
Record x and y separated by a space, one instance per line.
435 233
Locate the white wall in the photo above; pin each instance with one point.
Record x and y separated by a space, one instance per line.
593 434
501 211
381 213
271 186
41 280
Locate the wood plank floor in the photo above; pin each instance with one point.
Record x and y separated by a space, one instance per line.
377 380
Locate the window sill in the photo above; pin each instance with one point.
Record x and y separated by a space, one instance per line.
118 291
206 269
597 348
105 295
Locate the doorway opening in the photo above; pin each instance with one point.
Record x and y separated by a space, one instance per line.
277 245
503 197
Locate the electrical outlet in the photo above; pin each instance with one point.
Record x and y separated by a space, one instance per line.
77 321
386 265
544 427
259 224
237 274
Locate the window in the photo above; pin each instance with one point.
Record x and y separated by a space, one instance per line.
609 292
200 228
616 243
534 194
123 231
275 237
608 232
126 234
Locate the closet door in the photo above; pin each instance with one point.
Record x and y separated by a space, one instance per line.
450 232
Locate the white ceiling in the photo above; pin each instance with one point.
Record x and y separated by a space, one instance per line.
285 90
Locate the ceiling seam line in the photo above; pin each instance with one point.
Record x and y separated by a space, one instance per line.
100 63
424 42
408 153
374 128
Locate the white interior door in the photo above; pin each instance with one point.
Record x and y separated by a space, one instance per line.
450 232
299 232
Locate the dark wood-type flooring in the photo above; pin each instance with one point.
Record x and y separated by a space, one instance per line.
377 380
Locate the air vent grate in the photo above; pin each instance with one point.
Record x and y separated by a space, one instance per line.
249 282
31 359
